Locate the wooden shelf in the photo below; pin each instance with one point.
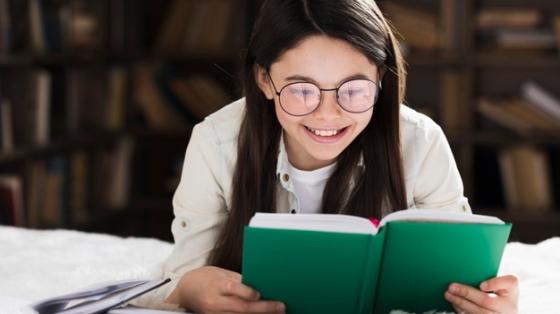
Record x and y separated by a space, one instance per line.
426 59
500 139
86 140
518 61
92 59
529 227
148 218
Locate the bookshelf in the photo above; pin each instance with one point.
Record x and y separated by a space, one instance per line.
453 65
97 101
479 55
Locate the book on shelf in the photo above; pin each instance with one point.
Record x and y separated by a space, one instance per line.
420 29
29 112
12 210
556 27
317 263
159 114
6 129
528 39
94 100
200 95
511 18
518 115
108 298
198 28
5 26
69 189
541 98
454 112
525 173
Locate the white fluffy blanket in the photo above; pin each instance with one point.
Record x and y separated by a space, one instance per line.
38 264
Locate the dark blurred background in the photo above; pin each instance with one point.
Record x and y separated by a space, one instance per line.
98 97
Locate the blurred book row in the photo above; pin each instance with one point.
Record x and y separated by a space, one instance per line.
39 26
62 104
525 169
535 111
512 29
528 179
37 106
55 26
68 189
518 29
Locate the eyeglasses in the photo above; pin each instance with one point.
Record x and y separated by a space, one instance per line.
302 98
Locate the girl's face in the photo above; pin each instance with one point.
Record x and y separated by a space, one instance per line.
315 140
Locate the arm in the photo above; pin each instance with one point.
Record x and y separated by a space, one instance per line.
438 183
200 211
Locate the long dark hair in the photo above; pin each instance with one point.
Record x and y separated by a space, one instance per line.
281 25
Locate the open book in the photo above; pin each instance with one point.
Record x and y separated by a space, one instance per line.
106 298
318 263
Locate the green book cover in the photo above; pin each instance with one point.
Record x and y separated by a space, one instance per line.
405 265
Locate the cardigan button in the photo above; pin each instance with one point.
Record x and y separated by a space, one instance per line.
286 177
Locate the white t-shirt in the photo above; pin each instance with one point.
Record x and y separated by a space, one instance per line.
309 186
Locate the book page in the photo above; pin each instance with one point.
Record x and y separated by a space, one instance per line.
439 215
314 222
88 295
138 310
115 300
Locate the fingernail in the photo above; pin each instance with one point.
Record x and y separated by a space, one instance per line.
281 307
454 288
484 286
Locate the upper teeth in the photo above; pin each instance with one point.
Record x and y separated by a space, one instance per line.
324 132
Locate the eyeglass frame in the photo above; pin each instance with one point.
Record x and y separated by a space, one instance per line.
321 90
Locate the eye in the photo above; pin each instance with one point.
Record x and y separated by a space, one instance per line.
301 91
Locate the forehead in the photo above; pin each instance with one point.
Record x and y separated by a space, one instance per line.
325 59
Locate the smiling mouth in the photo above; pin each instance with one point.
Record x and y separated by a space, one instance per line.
325 132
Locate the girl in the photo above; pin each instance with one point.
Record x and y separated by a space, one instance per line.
321 129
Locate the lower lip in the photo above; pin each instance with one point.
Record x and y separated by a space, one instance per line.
326 139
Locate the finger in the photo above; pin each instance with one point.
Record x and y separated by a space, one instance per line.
236 289
231 274
469 293
458 310
481 299
266 307
502 285
463 305
237 305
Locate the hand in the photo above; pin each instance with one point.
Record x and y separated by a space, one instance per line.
497 295
215 290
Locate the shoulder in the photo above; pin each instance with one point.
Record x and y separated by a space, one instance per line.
416 124
417 129
223 125
420 135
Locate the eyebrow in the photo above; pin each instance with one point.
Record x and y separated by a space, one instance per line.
309 79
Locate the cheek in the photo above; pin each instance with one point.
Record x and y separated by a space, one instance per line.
288 122
363 120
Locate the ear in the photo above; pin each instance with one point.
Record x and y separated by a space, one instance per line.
382 72
263 81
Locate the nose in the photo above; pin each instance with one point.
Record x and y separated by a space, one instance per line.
328 108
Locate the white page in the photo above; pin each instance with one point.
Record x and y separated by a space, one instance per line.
314 222
354 224
115 300
438 215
